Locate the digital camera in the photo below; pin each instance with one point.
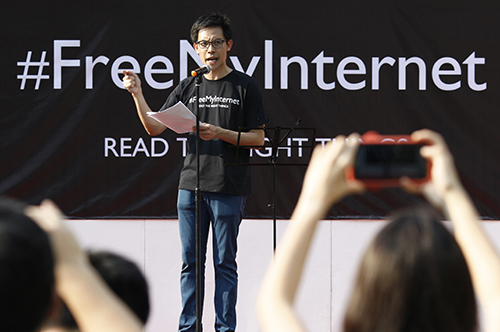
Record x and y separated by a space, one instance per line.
382 160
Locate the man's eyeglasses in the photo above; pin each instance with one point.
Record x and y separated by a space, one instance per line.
203 44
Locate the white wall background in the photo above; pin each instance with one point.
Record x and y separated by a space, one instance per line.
155 246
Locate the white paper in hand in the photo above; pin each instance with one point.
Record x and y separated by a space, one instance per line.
178 118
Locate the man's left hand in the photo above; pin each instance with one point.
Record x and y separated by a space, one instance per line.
208 131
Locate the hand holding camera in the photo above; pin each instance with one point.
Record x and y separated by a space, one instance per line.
420 163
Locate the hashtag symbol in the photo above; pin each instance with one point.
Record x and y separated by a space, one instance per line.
27 64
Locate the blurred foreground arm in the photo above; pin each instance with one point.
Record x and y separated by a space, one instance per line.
94 306
324 185
446 191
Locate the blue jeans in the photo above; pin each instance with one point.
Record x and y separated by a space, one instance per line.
224 212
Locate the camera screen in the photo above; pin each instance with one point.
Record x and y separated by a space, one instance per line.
389 161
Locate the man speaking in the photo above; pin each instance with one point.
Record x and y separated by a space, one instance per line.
228 100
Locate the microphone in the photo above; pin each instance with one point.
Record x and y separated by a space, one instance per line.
200 71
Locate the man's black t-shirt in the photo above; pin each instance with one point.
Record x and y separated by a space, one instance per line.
233 102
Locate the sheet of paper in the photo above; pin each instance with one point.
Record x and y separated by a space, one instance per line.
178 118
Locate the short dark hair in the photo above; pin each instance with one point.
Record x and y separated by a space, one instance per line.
26 270
413 277
209 21
124 278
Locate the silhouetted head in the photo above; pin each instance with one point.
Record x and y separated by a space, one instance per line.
26 270
413 277
124 278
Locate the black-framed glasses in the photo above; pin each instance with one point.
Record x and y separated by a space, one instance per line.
203 44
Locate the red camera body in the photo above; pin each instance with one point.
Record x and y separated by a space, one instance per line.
382 160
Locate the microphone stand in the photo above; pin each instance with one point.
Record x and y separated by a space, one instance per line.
199 275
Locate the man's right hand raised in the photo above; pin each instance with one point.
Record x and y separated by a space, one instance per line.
131 82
